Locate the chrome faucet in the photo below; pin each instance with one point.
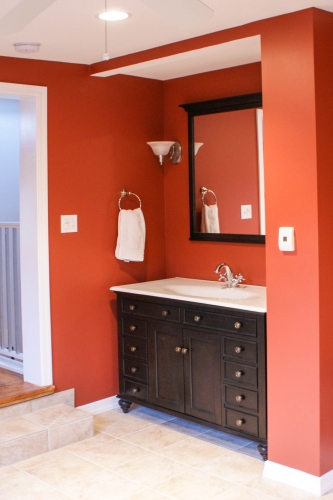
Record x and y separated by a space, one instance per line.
228 276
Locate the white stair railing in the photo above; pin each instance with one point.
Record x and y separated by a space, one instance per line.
10 292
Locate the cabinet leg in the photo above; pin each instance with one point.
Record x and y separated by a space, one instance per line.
262 448
124 405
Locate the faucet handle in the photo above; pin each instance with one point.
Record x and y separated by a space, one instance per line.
223 277
238 279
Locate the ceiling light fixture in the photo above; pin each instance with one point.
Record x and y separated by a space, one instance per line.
26 48
106 56
113 15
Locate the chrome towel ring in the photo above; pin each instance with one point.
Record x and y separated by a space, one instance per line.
204 191
124 193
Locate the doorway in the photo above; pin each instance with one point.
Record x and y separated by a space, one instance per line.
34 253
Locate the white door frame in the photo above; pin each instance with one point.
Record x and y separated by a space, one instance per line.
35 283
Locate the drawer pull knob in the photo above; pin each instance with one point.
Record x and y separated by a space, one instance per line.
178 349
165 313
135 390
238 350
238 325
239 422
133 348
239 399
197 319
238 374
134 369
184 350
131 308
132 328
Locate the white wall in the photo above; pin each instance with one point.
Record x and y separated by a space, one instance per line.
9 160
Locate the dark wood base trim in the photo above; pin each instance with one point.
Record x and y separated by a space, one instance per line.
262 448
124 405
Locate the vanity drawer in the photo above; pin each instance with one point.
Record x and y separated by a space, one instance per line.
242 398
135 369
135 389
134 327
240 349
241 374
234 324
152 310
134 347
242 422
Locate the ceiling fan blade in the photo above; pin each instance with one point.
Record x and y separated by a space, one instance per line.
183 14
21 15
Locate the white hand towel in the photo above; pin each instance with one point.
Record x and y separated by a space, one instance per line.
210 219
131 235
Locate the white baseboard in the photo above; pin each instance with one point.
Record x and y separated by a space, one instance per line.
11 364
101 406
299 479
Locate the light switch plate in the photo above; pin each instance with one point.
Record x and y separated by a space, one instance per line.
286 239
246 211
68 223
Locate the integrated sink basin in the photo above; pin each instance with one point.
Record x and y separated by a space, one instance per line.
246 297
209 290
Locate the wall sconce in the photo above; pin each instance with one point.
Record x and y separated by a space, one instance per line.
197 146
163 148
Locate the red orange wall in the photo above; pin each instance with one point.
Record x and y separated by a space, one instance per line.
291 200
97 134
323 53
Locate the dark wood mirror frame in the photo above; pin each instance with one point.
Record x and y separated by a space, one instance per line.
234 103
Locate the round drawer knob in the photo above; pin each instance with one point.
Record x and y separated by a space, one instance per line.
133 348
197 319
239 399
132 328
134 369
239 422
135 390
178 349
184 350
238 374
131 308
238 325
165 313
238 350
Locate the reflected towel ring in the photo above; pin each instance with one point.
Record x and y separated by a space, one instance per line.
204 191
124 193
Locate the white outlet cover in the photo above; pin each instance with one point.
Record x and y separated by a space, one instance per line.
286 239
68 223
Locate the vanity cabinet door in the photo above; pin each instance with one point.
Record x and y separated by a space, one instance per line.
202 375
166 381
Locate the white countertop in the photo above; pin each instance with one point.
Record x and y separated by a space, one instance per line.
245 297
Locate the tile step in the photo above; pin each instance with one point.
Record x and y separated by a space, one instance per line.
41 431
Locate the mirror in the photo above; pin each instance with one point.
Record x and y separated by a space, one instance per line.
227 201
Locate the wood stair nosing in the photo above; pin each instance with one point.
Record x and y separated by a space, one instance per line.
20 392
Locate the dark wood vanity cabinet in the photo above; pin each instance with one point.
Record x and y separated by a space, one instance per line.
205 363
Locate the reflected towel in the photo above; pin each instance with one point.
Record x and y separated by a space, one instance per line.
210 219
131 235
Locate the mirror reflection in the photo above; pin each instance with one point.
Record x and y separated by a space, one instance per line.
226 172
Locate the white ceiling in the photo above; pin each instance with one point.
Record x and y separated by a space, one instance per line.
69 31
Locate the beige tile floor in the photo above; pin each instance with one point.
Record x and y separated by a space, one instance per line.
146 455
